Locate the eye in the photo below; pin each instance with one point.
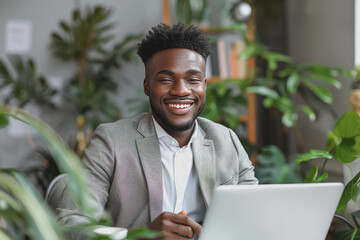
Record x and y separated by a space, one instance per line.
164 81
194 80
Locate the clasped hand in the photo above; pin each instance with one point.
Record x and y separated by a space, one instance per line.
175 226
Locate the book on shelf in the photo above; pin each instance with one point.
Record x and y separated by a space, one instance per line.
224 61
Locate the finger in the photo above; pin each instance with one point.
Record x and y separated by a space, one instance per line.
179 229
196 227
183 213
184 220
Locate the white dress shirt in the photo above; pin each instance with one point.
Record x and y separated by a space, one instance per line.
181 189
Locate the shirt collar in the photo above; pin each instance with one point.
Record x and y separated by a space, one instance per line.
166 138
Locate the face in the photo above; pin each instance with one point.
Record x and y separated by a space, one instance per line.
176 85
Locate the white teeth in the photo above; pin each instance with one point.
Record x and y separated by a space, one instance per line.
179 105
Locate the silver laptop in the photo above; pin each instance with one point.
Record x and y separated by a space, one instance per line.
272 212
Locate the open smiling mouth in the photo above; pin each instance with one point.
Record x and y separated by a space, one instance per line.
179 106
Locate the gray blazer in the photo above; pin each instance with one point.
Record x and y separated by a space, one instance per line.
123 159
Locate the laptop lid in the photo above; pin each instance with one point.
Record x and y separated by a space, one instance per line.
271 211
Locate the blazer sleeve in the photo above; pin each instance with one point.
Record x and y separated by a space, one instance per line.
98 159
246 169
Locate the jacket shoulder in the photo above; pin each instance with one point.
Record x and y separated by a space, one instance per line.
124 126
209 126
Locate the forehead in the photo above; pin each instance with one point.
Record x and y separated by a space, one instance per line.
176 59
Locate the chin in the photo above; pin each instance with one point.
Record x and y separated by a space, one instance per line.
181 127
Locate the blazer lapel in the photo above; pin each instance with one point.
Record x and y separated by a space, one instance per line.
150 157
204 159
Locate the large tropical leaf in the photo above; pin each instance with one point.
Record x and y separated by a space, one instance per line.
348 125
40 223
313 154
24 85
272 167
351 191
65 158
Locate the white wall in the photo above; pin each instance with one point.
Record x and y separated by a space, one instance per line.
135 16
322 32
357 32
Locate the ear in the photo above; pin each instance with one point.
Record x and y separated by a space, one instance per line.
146 87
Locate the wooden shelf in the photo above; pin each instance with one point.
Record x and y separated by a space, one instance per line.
215 30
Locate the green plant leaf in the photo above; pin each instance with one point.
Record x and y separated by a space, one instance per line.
351 234
313 154
65 158
4 236
272 167
10 208
322 178
309 113
221 88
321 92
325 74
327 78
268 102
43 224
32 68
348 125
273 58
263 91
278 57
4 73
312 175
289 119
344 151
356 146
284 104
251 50
351 191
3 121
293 82
17 63
332 141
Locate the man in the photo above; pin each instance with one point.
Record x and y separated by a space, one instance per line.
159 169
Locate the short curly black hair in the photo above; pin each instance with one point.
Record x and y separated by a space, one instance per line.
162 37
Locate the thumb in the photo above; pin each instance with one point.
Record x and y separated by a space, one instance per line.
183 212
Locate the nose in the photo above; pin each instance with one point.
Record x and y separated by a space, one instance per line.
180 88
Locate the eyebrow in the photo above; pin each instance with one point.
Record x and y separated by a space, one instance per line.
167 72
193 71
171 73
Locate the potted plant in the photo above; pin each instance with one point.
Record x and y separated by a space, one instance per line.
86 41
23 82
343 145
27 87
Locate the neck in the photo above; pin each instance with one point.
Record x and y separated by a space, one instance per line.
182 137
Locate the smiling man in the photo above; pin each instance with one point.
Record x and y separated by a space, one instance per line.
159 169
176 85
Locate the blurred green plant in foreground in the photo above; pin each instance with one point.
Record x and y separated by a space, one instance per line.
24 215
